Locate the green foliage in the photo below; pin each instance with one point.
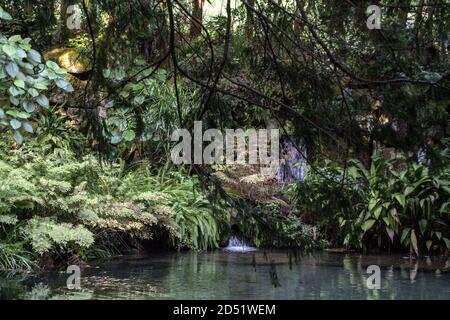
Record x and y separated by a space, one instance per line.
14 256
266 226
196 225
145 109
310 64
45 235
57 131
65 206
381 205
263 209
24 79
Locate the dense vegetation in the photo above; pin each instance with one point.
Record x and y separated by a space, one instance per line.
89 101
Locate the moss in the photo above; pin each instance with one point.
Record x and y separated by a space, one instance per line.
77 65
72 59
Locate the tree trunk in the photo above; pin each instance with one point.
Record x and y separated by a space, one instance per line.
249 22
197 14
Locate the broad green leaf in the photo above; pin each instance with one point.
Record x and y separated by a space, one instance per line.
408 191
129 135
40 86
12 69
368 224
405 233
372 203
125 94
29 107
4 15
377 212
19 83
21 53
43 101
9 49
15 124
445 207
12 113
106 73
34 55
110 104
27 127
14 91
52 65
353 172
23 115
18 137
63 84
14 38
33 92
423 225
400 198
14 100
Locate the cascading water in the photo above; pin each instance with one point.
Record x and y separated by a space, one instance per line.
292 168
237 245
292 163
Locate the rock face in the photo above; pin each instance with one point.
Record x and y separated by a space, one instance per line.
78 68
292 162
71 59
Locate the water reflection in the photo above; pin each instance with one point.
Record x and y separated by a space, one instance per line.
255 275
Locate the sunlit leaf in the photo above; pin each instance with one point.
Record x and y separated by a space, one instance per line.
368 224
15 124
129 135
9 49
27 127
12 69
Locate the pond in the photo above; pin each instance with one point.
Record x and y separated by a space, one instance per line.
252 275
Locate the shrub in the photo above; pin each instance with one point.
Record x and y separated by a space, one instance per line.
381 206
24 80
62 205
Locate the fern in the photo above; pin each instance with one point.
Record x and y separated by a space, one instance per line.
62 204
44 234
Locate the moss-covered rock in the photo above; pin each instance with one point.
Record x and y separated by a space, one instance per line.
72 59
78 67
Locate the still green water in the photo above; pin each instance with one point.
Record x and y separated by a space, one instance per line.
255 275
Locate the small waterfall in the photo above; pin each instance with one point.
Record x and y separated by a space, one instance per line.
237 245
292 163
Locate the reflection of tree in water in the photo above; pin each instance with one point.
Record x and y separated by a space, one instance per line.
219 275
39 291
11 284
